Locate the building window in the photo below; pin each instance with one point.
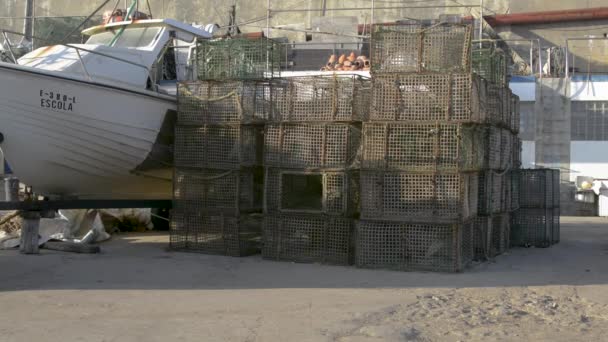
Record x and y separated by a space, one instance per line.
589 120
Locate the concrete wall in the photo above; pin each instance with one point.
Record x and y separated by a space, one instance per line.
206 11
216 11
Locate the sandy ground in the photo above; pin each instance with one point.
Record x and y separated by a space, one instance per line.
136 291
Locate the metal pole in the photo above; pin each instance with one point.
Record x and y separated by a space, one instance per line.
268 19
268 34
371 24
480 21
540 59
367 8
28 25
567 61
532 57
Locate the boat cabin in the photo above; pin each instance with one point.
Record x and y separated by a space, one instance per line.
145 54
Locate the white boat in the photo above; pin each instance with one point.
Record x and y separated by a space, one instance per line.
95 120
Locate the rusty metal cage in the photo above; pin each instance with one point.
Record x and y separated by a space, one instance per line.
218 146
227 191
221 102
238 58
312 145
414 246
312 192
443 48
321 98
307 238
215 233
419 197
457 98
423 147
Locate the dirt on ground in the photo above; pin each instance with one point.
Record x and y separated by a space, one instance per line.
138 291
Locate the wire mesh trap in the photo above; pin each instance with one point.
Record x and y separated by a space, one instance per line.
307 238
419 197
238 58
443 47
316 192
491 236
495 193
218 146
458 98
516 156
321 98
413 246
220 102
228 191
490 62
215 233
535 227
311 145
539 188
515 113
423 147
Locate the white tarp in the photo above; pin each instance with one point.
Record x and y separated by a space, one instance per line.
83 225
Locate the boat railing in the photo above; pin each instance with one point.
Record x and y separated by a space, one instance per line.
78 50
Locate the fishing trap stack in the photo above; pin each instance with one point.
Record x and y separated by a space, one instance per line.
499 182
436 131
537 223
311 159
218 181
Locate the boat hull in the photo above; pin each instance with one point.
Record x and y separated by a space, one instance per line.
77 139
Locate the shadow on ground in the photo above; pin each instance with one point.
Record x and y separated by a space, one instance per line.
143 262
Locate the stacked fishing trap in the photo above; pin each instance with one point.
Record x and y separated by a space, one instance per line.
415 169
218 147
438 147
536 223
311 159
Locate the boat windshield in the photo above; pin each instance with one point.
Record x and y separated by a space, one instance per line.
130 38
